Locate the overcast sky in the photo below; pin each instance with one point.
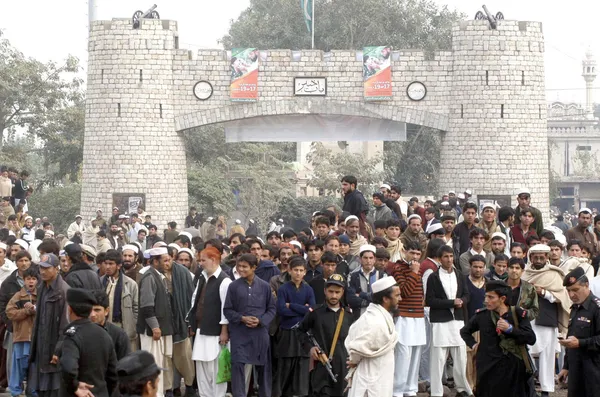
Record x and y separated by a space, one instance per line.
52 29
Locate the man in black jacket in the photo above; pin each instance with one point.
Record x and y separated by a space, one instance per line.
354 202
89 372
447 296
80 274
461 240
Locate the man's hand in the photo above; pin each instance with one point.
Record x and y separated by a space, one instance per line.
224 336
415 267
458 302
540 291
350 364
314 353
563 375
250 321
287 305
190 332
475 347
83 390
54 360
156 334
502 325
570 343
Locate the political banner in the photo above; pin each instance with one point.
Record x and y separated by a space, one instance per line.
377 73
244 74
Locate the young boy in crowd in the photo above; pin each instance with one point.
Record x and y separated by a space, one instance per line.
21 311
392 235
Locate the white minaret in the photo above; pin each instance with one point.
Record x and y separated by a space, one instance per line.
92 10
589 75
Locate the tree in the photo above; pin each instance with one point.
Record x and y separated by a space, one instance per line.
344 24
585 163
31 92
329 168
60 204
414 165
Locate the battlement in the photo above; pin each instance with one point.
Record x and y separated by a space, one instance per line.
502 27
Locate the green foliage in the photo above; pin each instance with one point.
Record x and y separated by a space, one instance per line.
46 101
414 165
329 168
586 164
60 204
304 207
209 191
344 24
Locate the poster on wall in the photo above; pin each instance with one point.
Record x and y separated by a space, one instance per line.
244 74
129 202
377 73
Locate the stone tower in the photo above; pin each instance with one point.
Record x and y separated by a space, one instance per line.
130 145
589 75
497 132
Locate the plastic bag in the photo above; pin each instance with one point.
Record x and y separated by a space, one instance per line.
224 372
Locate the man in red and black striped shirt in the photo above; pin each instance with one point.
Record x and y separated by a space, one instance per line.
410 323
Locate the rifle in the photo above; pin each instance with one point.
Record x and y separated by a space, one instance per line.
322 356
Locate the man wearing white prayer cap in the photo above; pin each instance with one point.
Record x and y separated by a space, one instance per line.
371 341
131 265
237 228
155 318
360 282
553 317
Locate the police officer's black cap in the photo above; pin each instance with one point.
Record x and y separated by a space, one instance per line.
498 286
80 297
72 249
336 279
573 277
137 365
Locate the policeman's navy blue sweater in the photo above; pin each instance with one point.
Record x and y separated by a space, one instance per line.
297 298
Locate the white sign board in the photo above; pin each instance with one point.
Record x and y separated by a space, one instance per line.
310 86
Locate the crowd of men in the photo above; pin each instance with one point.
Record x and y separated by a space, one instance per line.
383 302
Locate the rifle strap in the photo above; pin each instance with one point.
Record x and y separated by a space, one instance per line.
521 347
338 327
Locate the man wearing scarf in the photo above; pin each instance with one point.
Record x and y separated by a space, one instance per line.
488 223
553 317
123 297
392 236
352 231
181 288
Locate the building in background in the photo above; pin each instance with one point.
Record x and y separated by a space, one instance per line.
574 144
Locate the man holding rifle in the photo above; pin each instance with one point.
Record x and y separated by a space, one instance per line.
329 324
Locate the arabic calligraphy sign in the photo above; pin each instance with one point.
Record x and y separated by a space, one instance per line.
310 86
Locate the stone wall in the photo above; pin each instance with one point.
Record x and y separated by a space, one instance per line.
484 149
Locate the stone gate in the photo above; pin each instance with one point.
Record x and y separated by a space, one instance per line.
486 97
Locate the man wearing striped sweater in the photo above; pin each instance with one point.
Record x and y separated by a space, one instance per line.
410 323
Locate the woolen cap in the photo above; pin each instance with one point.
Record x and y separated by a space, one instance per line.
88 250
72 249
344 239
137 365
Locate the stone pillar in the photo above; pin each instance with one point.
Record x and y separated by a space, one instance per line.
497 136
130 144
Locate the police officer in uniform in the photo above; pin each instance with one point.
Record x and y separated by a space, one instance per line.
329 323
88 361
138 375
582 360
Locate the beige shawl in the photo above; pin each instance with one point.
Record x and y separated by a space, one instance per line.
551 279
395 248
356 244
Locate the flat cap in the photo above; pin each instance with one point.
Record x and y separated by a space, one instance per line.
80 296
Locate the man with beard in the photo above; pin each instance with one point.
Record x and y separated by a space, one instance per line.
155 317
123 297
488 223
131 267
115 240
448 222
414 232
354 202
504 331
370 343
553 317
80 273
498 244
329 323
99 315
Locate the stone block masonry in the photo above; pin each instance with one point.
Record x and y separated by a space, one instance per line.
486 97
